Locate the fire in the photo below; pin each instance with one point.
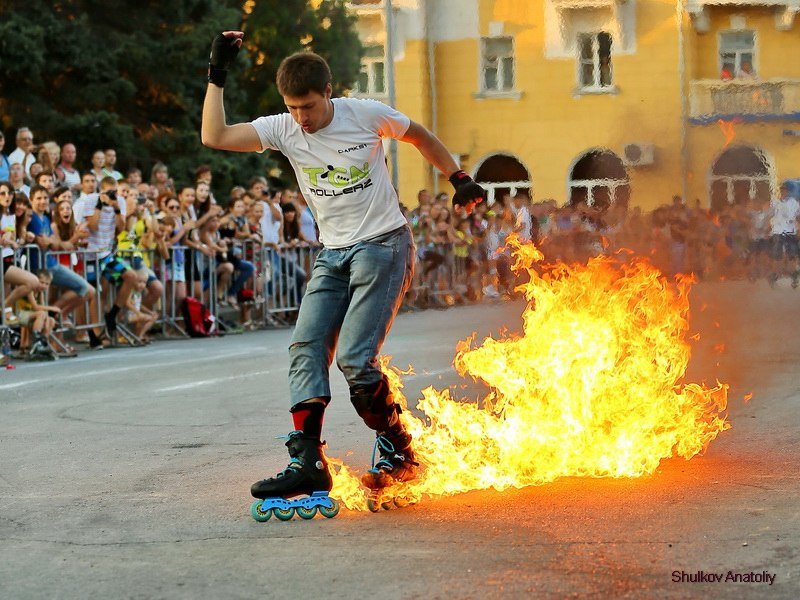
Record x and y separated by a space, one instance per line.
591 388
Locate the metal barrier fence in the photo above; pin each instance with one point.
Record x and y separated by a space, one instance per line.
273 288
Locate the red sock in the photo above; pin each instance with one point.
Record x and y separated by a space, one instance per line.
308 417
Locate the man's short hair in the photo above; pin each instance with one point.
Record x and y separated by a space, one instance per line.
22 130
255 180
35 189
43 174
108 182
88 174
302 73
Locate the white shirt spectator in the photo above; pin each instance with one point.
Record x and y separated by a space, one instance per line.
84 207
270 228
307 225
784 216
523 223
26 160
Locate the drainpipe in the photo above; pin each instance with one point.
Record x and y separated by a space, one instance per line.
684 103
429 32
389 19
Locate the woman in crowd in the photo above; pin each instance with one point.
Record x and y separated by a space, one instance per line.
22 281
160 180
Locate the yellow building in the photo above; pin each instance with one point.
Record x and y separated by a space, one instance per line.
596 100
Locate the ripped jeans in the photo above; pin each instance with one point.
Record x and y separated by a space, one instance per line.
352 299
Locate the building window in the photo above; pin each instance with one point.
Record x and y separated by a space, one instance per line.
736 54
372 78
497 64
594 61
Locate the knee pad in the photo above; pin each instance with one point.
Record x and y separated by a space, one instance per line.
374 405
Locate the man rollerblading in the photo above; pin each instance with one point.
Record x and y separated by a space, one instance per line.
359 279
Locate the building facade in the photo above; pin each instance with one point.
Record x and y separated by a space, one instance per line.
594 100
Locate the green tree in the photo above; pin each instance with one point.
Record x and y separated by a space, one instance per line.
130 74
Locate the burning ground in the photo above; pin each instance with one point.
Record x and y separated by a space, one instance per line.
593 387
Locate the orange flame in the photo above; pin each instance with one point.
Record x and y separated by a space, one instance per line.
589 389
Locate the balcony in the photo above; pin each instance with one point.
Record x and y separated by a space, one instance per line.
746 100
784 11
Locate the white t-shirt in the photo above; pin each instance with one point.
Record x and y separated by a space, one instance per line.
26 160
270 228
784 216
342 168
307 227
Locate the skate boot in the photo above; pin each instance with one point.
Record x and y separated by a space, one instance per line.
40 349
307 475
395 466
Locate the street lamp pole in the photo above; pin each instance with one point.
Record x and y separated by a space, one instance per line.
389 19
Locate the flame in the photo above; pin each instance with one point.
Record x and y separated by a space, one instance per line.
590 388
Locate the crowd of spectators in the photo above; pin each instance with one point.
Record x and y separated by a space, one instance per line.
101 257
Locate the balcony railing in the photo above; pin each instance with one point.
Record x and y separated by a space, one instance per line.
745 99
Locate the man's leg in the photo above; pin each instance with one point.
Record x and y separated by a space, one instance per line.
380 273
310 355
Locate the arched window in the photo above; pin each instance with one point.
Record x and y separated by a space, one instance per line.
502 174
599 179
739 175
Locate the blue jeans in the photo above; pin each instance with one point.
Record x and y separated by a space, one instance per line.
352 299
244 271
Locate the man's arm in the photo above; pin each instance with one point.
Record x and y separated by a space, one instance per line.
241 137
431 148
467 192
214 132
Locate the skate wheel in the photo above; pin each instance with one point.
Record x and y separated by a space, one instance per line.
329 512
306 513
260 515
373 505
401 502
284 514
386 505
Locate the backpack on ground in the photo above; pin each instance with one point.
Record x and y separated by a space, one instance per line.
198 320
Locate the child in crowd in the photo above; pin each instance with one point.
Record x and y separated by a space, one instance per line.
34 317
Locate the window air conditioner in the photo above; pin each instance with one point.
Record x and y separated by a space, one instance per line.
637 154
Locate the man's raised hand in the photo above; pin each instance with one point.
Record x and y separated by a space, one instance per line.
224 49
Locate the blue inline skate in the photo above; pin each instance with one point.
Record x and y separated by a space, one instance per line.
307 475
395 466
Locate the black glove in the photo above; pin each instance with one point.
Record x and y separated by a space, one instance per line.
467 191
223 52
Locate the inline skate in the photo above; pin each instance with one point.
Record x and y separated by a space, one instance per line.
306 475
395 467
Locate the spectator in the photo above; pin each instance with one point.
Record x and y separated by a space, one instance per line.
105 219
746 70
160 179
77 289
4 164
98 164
24 154
140 317
134 177
203 174
49 156
783 227
168 242
88 195
66 173
109 168
9 242
34 315
46 180
308 225
523 224
137 240
17 178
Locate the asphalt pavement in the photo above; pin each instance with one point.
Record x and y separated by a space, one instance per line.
126 474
